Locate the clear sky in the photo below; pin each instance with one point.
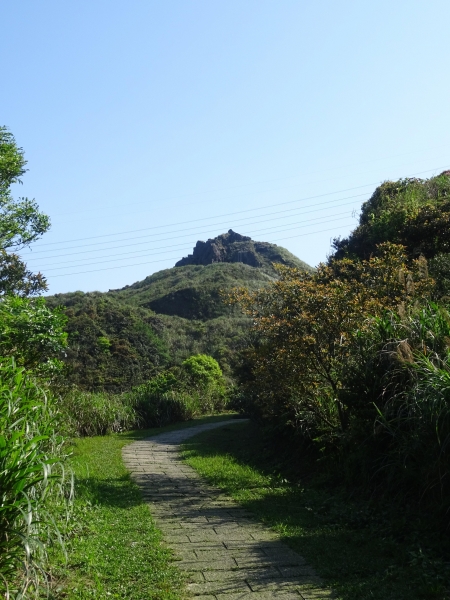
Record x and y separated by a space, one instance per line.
148 124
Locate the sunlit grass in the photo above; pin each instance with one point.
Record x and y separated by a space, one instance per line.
359 550
115 550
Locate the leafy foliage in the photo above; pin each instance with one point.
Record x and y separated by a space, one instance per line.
412 212
21 223
309 326
32 333
111 346
181 393
31 480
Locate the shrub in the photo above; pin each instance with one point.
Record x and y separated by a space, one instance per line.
31 480
179 394
309 330
412 212
203 374
32 333
411 433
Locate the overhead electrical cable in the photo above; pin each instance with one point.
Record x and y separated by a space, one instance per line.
147 252
225 214
202 226
209 218
340 218
341 167
152 253
174 257
195 229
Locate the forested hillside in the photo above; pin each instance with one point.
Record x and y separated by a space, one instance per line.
121 338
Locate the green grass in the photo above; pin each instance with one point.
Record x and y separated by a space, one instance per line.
362 551
114 549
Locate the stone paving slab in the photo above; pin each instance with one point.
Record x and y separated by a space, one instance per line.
226 553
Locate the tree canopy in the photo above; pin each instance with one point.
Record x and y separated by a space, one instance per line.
21 223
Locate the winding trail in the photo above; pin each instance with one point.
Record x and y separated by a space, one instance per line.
228 555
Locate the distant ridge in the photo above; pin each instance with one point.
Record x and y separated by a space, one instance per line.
232 247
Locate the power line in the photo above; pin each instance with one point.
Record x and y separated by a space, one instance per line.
217 216
208 218
210 225
266 181
173 257
142 253
254 231
202 226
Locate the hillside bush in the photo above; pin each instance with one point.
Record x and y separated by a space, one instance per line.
180 393
412 212
112 346
356 361
33 491
32 333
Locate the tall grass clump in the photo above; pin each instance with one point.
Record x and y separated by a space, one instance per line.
32 484
412 425
97 413
159 408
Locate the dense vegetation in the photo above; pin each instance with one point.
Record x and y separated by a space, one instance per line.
33 493
111 345
354 360
58 367
412 212
349 363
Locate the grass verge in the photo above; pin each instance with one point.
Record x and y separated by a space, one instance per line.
363 551
114 549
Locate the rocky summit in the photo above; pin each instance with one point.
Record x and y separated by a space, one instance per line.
232 247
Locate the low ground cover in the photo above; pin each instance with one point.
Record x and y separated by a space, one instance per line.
362 550
114 549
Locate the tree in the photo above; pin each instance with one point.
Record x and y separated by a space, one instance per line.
309 326
29 331
32 333
412 212
21 223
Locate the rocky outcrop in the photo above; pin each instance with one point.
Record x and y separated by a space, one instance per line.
228 247
232 247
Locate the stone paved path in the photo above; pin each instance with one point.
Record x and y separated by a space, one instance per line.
227 553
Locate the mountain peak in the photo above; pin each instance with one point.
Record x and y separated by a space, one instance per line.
232 247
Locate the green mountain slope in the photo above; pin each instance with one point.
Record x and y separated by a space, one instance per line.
122 337
193 291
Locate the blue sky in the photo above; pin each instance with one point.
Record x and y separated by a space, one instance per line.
149 125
